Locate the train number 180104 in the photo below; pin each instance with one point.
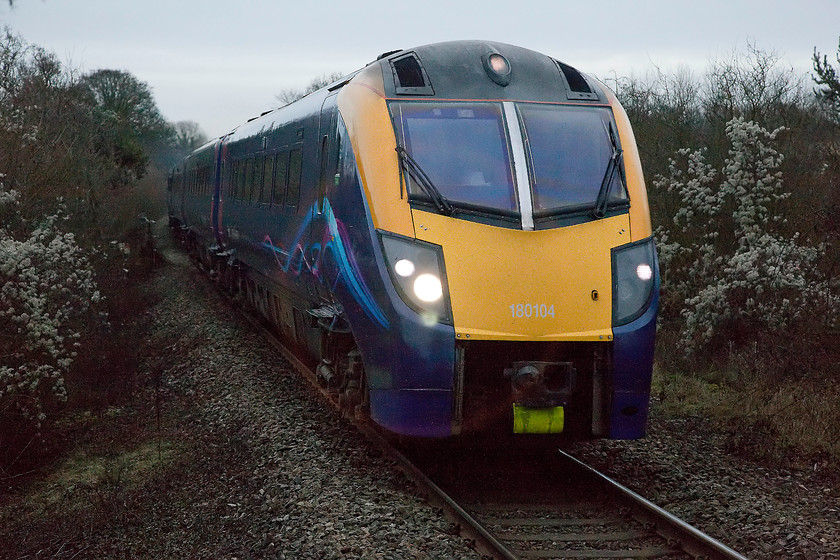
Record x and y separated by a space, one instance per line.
532 310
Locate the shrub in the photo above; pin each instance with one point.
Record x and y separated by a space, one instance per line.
729 271
48 294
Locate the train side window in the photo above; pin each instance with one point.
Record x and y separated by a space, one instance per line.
253 166
281 178
268 165
242 190
295 169
256 180
249 180
234 178
235 172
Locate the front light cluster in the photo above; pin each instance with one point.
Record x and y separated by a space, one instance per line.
634 277
416 268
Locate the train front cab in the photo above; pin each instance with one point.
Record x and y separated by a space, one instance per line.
545 320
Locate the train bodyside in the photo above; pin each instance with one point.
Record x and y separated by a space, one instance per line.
193 191
493 301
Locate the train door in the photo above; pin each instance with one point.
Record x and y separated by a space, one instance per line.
328 150
327 167
216 202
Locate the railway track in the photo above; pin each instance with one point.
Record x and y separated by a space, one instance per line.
548 504
534 503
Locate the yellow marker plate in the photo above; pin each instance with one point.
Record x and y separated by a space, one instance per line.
528 420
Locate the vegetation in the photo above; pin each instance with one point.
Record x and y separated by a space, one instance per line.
743 172
826 77
289 95
81 159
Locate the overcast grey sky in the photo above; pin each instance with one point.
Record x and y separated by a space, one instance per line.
221 62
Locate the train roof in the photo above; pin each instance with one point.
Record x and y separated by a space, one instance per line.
484 70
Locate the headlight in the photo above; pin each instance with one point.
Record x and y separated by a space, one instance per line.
634 276
416 268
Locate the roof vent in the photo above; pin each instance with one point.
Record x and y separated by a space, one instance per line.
578 86
387 54
410 77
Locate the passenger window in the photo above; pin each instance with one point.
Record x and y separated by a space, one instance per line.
280 177
295 168
245 193
234 180
268 165
256 179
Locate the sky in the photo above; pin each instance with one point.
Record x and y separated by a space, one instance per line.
219 63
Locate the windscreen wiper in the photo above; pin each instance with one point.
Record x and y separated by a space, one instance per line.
600 208
425 183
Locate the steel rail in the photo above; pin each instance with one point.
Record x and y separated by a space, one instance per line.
691 539
485 541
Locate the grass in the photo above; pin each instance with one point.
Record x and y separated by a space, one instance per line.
102 478
792 420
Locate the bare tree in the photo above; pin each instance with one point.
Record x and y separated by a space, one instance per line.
753 86
290 95
188 136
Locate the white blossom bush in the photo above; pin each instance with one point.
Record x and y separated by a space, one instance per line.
729 272
48 293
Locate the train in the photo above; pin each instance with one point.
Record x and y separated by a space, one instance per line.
456 237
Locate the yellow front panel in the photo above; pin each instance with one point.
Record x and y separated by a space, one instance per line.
508 284
365 112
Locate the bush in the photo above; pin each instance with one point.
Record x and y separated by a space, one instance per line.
729 270
48 294
73 148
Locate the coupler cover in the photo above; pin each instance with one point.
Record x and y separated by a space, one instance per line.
540 392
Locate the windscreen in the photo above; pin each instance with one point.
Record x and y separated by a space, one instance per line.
462 148
569 150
